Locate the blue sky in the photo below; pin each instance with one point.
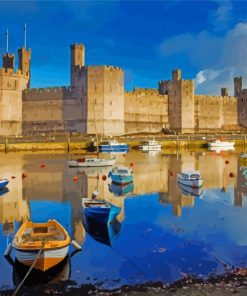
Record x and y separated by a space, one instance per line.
206 39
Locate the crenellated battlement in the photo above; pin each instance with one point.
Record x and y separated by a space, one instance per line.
12 72
53 93
104 67
146 91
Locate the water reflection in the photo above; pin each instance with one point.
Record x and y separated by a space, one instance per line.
161 223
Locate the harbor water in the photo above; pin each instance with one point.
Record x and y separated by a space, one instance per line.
162 233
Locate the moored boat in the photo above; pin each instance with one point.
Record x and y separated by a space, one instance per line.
190 178
119 190
221 144
113 146
3 183
121 175
91 162
150 145
46 244
99 210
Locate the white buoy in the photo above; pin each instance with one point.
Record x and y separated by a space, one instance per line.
76 245
8 250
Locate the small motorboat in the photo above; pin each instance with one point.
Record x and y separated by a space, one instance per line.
3 183
99 210
121 175
91 162
221 144
113 146
190 190
151 145
190 178
119 190
50 238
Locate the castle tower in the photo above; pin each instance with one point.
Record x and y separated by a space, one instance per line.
8 61
237 86
181 102
224 92
77 60
24 61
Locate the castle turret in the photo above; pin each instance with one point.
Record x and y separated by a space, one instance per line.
237 86
24 61
176 75
8 61
224 92
77 59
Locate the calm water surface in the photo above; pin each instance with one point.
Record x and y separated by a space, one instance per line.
161 233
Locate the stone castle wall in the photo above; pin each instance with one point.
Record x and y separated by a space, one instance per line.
215 113
12 84
51 110
145 110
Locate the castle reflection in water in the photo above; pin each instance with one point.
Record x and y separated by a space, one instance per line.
53 184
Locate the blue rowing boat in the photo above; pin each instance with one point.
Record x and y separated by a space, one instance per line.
119 190
3 183
99 210
113 146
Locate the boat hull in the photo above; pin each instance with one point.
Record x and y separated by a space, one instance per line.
221 144
121 180
102 215
150 148
119 190
113 148
106 162
48 258
191 191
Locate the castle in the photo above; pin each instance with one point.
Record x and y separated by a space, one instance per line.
96 103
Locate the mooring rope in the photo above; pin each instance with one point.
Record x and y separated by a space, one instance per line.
30 269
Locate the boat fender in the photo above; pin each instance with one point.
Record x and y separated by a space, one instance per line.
231 175
227 161
75 179
193 186
23 175
104 177
76 245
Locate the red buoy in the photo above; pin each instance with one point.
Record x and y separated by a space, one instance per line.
23 175
131 164
104 177
227 161
124 154
75 179
13 177
171 173
231 175
42 165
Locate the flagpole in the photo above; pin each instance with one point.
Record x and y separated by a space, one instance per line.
25 35
7 41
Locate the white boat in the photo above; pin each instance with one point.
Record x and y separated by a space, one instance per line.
221 144
190 178
91 162
150 145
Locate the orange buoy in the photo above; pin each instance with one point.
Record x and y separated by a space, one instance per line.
104 177
13 177
23 175
42 165
231 175
75 179
227 161
131 164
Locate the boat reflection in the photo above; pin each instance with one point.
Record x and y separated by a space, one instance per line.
3 191
60 272
104 233
219 149
189 190
119 190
